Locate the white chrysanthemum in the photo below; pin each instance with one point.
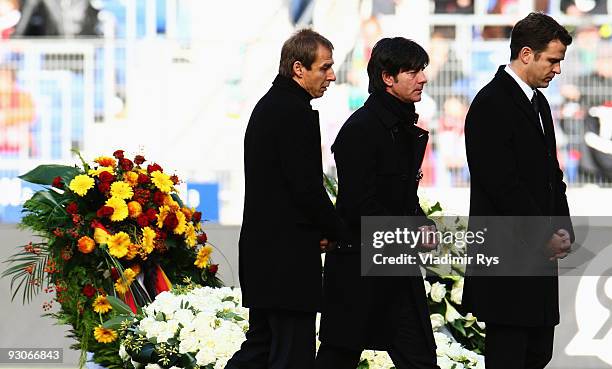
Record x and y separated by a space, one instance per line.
189 342
183 316
205 356
445 363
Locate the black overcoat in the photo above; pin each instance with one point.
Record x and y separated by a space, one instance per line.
375 158
286 208
515 172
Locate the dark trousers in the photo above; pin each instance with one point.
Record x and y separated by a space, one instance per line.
277 339
512 347
409 349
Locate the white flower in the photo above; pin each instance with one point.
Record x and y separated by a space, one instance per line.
152 366
445 363
205 356
183 316
427 287
438 291
451 313
136 364
437 321
457 291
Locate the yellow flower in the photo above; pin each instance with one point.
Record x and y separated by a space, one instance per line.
101 305
120 209
162 181
104 335
164 210
148 240
203 256
106 161
96 172
190 235
81 184
122 285
182 223
121 190
131 178
118 244
100 235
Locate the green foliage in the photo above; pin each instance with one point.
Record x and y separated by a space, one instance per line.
44 174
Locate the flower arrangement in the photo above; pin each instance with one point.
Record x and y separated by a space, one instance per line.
112 228
187 328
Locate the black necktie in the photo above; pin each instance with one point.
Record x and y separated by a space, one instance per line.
534 104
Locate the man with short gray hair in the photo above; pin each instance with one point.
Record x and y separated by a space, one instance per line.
288 217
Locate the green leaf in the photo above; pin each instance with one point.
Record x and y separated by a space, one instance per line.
188 361
119 306
44 174
144 355
115 323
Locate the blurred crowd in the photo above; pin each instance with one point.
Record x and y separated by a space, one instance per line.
581 97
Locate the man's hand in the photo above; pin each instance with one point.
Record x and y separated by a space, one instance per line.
559 245
429 241
325 245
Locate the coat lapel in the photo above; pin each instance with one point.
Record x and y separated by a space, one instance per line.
520 100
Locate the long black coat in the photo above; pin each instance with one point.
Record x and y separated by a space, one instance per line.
286 208
375 157
515 172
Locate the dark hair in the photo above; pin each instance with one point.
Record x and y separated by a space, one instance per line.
302 47
535 31
394 55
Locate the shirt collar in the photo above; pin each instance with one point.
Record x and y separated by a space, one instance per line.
524 86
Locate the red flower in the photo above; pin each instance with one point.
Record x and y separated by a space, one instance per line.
152 168
104 186
106 177
158 198
126 164
139 159
151 214
118 154
72 208
171 221
57 182
89 290
202 238
142 195
213 268
142 220
96 224
175 179
196 217
58 232
143 178
76 219
161 234
105 211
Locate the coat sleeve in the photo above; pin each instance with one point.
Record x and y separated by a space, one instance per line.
355 157
299 150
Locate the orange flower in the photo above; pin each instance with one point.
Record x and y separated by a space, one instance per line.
134 209
131 178
188 213
132 251
106 161
86 244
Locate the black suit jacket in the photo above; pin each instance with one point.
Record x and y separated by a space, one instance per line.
375 156
515 172
286 208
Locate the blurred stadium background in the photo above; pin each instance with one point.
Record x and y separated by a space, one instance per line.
176 81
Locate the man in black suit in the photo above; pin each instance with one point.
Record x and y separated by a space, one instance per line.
376 155
514 170
286 211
